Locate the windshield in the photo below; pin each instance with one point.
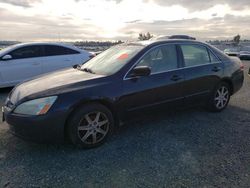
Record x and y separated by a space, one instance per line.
3 51
112 60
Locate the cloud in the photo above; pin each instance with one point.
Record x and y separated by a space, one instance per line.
133 21
22 3
222 28
197 5
117 1
29 28
94 20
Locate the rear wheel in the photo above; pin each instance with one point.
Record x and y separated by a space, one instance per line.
90 125
220 97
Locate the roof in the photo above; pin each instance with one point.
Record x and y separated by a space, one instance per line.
44 43
163 41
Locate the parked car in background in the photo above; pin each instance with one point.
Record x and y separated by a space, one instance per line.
24 61
245 53
232 51
85 104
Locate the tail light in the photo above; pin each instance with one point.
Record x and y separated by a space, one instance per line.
241 66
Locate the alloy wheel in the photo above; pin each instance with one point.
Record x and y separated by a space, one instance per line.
221 97
93 127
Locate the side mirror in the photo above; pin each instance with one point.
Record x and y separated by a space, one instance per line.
141 71
7 57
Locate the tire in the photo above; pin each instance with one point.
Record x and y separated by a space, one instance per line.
219 98
90 125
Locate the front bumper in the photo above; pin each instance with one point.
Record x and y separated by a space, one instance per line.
47 128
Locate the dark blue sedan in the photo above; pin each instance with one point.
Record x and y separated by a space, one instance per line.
85 103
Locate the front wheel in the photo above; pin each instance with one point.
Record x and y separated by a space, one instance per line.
220 97
90 126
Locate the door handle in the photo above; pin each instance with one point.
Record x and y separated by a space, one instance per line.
176 78
216 69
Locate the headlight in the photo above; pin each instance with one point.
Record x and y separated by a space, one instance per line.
36 107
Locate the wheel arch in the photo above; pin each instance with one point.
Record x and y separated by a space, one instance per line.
109 105
230 83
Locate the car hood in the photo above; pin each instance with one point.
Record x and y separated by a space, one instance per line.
51 83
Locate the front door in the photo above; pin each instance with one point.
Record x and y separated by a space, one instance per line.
162 86
24 64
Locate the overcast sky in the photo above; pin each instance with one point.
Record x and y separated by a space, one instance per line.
71 20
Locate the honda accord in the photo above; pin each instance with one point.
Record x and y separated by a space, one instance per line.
84 104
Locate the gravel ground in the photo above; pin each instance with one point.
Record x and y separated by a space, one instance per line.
188 148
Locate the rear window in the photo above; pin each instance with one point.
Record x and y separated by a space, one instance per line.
195 55
53 50
213 58
219 53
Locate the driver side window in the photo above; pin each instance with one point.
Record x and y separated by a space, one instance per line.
160 59
26 52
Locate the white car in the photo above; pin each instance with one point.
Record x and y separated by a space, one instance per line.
232 51
24 61
245 53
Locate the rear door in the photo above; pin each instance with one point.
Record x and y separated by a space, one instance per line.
59 57
163 86
203 71
24 64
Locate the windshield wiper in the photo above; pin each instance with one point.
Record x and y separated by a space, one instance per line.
88 70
